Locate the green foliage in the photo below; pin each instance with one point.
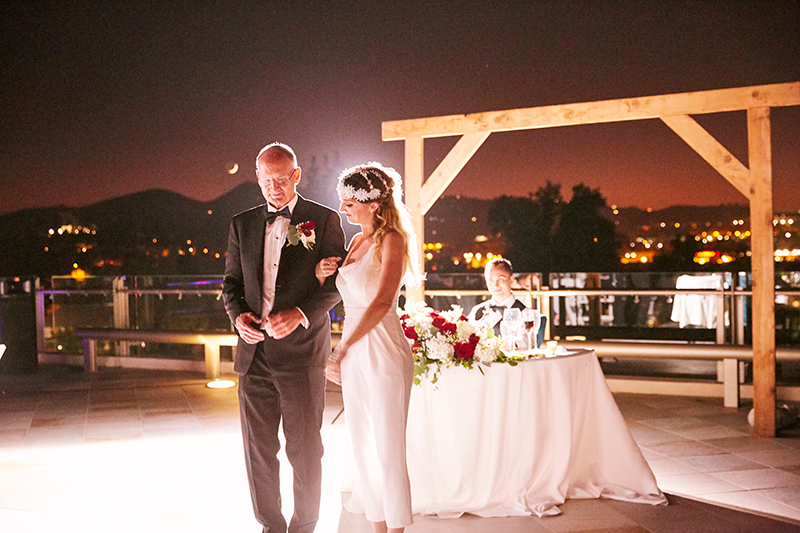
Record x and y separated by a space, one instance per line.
585 241
546 234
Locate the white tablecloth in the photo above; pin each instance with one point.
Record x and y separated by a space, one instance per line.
694 309
520 440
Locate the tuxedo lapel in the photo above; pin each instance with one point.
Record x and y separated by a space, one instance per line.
300 213
255 242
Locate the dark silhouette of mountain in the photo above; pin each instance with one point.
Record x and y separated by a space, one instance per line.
240 198
691 219
163 232
121 230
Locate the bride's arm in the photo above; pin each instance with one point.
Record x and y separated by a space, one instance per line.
328 265
390 276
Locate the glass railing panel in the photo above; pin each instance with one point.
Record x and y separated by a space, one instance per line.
73 304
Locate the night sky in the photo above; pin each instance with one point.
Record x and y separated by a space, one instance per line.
100 99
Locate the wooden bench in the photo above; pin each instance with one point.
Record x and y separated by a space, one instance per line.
211 340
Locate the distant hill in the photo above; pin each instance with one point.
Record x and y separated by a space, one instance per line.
151 231
116 228
633 222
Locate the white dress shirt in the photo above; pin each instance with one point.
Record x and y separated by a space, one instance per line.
274 238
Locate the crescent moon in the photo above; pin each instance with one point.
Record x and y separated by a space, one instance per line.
232 169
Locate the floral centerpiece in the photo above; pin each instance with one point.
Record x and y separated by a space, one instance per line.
445 338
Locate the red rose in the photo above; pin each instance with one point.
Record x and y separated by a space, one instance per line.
410 332
306 228
474 340
448 328
464 350
438 321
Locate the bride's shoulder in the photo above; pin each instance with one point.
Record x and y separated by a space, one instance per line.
355 240
393 236
393 239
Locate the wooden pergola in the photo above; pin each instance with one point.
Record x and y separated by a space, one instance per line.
755 182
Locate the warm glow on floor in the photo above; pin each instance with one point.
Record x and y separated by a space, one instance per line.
221 384
184 483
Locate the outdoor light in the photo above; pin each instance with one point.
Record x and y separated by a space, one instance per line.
220 384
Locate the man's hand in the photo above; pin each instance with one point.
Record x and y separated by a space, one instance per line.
283 323
247 326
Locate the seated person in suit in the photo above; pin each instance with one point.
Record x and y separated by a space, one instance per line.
499 276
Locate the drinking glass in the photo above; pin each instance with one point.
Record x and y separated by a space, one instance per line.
512 329
512 314
532 321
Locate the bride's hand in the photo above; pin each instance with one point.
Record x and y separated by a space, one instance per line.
326 267
333 372
333 367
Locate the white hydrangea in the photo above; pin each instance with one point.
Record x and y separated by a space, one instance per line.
488 349
417 318
440 349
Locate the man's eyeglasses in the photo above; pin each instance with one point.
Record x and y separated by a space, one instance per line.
280 181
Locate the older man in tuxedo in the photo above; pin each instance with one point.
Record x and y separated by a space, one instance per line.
281 313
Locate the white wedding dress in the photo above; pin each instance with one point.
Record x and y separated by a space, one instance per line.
377 375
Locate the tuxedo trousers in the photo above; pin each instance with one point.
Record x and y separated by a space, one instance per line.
295 395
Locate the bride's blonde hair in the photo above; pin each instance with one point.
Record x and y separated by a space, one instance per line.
374 182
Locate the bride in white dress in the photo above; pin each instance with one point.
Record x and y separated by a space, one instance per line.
373 361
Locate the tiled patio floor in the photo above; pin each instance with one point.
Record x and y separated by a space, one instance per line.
134 450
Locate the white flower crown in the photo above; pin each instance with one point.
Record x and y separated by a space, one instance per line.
347 192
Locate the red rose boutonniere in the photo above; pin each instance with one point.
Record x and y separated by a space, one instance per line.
303 232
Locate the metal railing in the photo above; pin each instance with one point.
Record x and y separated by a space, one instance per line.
187 305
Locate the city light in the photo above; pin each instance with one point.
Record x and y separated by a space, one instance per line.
704 257
78 274
785 254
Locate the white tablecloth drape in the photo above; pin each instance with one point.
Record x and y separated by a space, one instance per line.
516 440
694 309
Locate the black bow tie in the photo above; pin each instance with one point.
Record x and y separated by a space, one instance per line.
499 308
272 215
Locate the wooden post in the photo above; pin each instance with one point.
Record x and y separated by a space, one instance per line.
763 268
211 352
414 171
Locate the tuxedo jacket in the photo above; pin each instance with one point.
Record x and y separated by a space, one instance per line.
483 307
296 284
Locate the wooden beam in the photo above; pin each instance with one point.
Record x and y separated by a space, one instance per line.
414 173
763 269
674 110
450 166
712 151
700 102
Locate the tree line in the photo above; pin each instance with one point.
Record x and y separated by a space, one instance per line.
545 233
